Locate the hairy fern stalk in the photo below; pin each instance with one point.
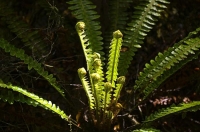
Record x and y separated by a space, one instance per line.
102 82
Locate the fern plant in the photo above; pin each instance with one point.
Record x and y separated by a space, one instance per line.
101 81
103 88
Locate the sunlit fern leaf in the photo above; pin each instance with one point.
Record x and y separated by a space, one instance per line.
114 57
142 22
84 10
183 107
34 98
167 63
19 53
146 130
31 38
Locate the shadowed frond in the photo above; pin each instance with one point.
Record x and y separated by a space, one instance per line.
19 53
30 38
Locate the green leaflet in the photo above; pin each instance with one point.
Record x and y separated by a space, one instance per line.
114 57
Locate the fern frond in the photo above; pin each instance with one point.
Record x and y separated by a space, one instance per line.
146 130
87 88
183 107
167 63
30 38
19 53
118 17
44 103
83 10
142 22
114 57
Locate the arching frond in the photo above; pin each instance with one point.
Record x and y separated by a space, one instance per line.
19 53
184 107
36 99
142 22
167 63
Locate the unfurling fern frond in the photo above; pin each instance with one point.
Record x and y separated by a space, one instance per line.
19 53
37 100
143 20
84 11
167 63
184 107
82 72
114 57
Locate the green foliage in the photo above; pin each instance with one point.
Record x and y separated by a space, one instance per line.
192 106
30 38
143 19
84 11
103 84
154 74
34 100
167 63
19 53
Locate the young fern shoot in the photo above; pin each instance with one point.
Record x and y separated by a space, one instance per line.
102 95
